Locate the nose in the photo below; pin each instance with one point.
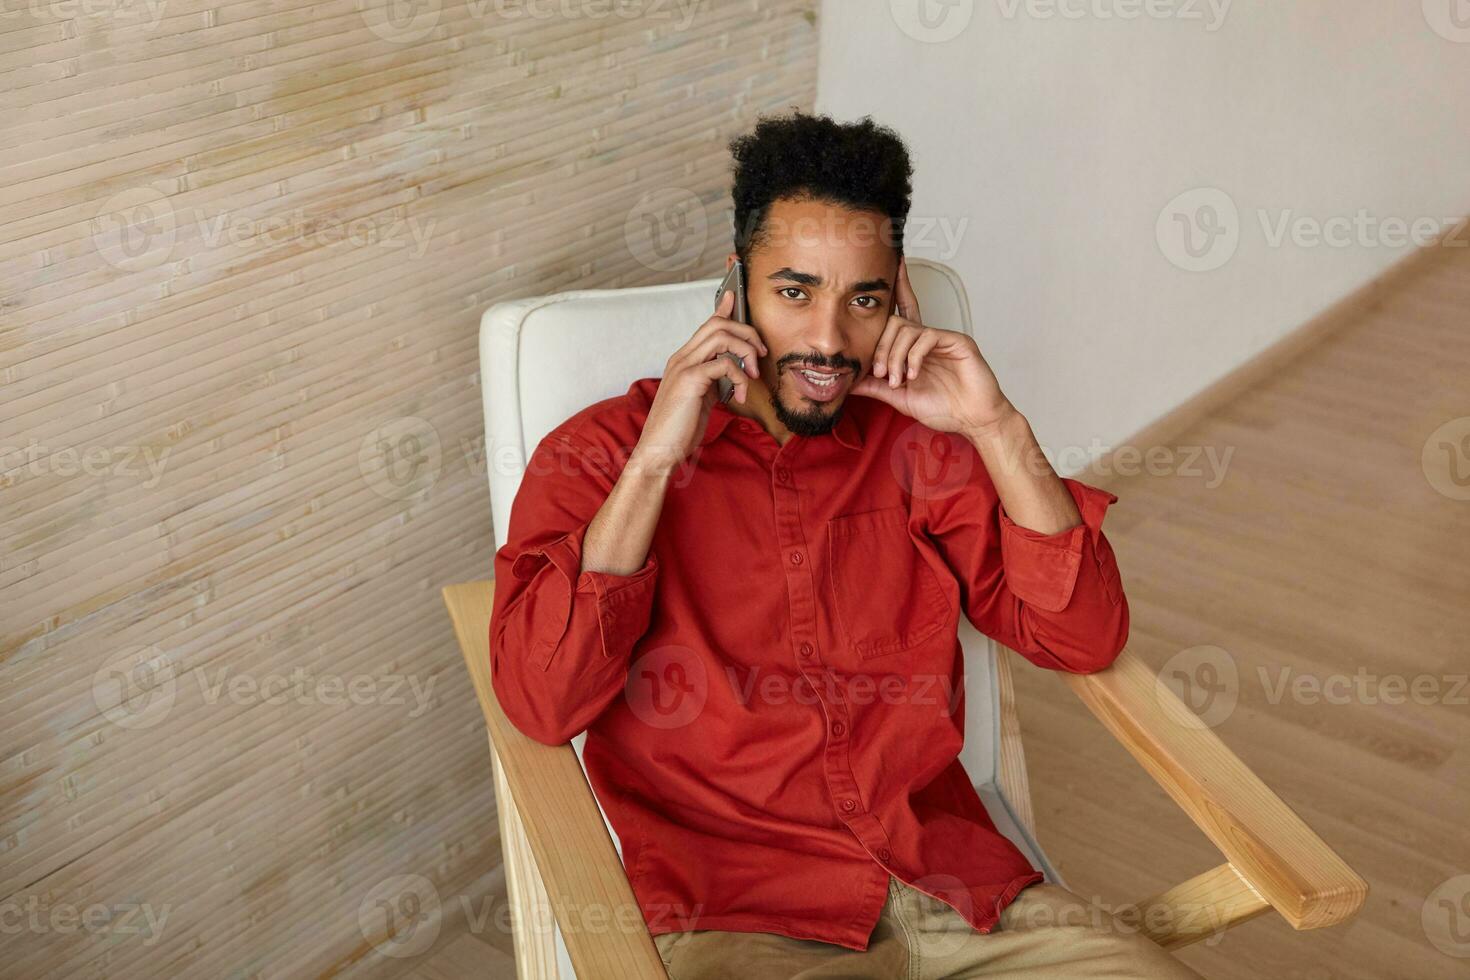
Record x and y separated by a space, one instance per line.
828 334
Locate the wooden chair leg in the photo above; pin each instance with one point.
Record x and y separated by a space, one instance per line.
532 922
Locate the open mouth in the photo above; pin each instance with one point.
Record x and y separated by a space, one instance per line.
820 384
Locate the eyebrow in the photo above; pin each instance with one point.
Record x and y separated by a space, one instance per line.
808 279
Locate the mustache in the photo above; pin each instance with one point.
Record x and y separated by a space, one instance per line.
831 363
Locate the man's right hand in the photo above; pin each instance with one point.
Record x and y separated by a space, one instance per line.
680 411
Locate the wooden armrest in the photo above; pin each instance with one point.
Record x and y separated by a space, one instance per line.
1269 850
600 919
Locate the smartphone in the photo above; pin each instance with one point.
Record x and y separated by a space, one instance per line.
734 280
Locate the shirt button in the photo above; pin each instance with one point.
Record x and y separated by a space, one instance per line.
849 805
838 728
883 855
806 651
796 558
783 475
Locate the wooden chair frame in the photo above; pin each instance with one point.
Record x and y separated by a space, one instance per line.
550 823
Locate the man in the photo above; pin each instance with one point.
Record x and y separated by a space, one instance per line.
751 608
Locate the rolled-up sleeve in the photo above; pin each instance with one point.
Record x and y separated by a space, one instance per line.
561 638
1056 599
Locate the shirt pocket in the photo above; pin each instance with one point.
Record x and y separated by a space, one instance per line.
886 597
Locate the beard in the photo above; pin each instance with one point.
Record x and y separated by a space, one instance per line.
811 420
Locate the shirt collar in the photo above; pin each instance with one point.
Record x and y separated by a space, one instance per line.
847 431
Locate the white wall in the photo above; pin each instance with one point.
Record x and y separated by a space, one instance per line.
1061 140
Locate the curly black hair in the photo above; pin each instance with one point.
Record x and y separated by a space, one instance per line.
861 165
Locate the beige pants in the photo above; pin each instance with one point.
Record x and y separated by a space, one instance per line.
1046 933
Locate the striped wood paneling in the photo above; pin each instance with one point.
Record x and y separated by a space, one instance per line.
243 252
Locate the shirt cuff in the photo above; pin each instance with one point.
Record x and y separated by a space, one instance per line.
1042 569
622 603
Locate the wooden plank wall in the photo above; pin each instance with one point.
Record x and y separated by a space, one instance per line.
244 249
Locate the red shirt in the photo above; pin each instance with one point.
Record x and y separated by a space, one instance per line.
774 702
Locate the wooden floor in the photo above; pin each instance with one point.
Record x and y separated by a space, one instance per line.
1325 550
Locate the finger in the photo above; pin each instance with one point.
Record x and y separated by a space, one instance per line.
926 342
721 341
726 305
699 347
720 367
898 354
880 353
870 387
906 300
723 322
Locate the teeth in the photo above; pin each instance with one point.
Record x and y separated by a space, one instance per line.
823 380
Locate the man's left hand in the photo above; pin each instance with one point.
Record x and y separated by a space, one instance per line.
937 377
